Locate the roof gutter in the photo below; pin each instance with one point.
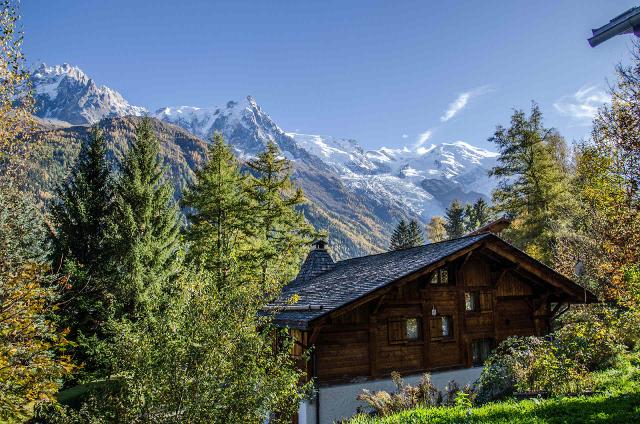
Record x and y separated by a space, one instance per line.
626 23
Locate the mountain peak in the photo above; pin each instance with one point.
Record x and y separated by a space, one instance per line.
64 92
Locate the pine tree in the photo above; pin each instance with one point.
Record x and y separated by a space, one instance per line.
399 236
80 217
481 213
470 222
414 234
283 232
477 215
533 184
454 217
436 230
145 228
221 215
84 205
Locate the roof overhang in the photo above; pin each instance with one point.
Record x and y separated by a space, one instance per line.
626 23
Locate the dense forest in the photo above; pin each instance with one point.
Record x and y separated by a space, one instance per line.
119 303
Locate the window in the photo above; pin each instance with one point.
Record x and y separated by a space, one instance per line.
440 276
404 330
472 301
480 350
411 329
447 327
442 327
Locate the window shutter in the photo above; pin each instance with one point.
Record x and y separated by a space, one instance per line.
396 331
435 327
486 301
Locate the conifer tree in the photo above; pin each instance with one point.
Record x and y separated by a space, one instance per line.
84 205
220 213
532 185
454 217
436 230
145 227
414 234
81 216
477 215
281 228
399 236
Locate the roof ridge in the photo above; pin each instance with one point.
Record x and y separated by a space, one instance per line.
415 247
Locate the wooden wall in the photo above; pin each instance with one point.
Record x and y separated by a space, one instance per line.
360 343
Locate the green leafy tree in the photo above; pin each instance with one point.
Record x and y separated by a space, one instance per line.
436 230
532 184
144 231
282 230
32 362
455 220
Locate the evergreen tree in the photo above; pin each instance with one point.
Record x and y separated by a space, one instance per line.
80 217
145 227
533 185
414 234
282 230
454 216
221 215
212 331
477 215
436 230
83 208
399 236
470 222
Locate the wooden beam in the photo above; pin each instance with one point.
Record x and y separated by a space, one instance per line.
533 267
400 281
373 344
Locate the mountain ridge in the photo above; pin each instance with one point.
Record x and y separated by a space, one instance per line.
356 192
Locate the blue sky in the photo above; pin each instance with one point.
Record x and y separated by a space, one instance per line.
386 73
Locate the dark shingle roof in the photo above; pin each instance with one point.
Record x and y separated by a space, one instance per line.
351 279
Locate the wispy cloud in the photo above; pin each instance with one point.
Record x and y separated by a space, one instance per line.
423 138
582 105
461 102
405 135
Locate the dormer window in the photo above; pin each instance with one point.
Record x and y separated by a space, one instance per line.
440 277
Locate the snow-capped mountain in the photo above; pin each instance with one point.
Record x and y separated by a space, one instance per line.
242 123
359 194
408 175
65 93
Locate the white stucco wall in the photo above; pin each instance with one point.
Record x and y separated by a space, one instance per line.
339 401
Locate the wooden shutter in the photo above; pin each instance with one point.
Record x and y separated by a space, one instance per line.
435 327
486 301
396 330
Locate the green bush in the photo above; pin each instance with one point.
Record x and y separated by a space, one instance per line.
529 364
593 336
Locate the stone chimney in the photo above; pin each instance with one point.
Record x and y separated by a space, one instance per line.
318 261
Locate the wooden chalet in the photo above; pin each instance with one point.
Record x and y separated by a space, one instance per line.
438 307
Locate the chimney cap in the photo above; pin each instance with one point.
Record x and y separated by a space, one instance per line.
319 244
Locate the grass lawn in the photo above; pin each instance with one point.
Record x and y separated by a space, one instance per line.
617 401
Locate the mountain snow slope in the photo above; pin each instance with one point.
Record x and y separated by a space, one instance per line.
65 93
358 195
